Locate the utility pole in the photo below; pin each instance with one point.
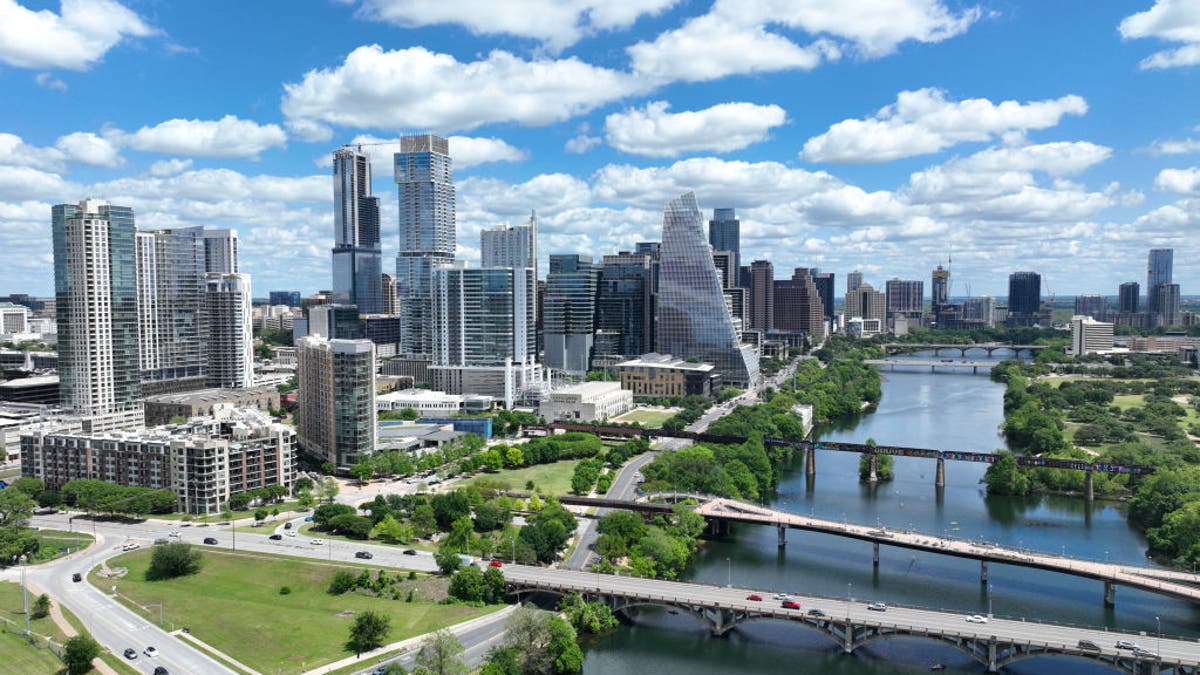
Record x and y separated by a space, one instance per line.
25 593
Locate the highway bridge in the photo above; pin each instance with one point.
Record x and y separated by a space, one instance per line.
851 625
931 364
989 347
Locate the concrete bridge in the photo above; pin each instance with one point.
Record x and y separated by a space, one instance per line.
989 347
851 625
931 364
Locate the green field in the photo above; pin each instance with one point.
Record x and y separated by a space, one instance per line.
284 508
234 604
53 543
17 655
550 479
647 417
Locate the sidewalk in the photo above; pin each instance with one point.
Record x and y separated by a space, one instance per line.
204 646
65 626
413 642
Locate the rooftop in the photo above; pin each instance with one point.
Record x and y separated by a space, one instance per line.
209 395
665 361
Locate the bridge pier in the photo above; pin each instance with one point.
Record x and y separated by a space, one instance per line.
983 571
1110 594
810 462
939 478
782 529
991 667
848 638
1089 486
874 477
875 557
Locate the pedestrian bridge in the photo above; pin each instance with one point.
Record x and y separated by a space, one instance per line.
850 624
936 348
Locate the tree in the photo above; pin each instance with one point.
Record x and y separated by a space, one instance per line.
392 530
493 585
543 643
409 415
329 489
305 499
1005 477
260 514
369 631
30 486
41 607
441 654
467 584
447 561
350 525
513 458
16 508
302 483
78 653
173 560
362 471
325 514
238 501
424 520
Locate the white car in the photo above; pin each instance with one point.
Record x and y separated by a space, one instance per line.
290 533
130 547
977 618
151 651
317 542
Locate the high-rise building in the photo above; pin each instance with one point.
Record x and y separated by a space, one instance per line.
336 381
762 295
95 284
940 286
357 257
391 303
1166 301
825 286
726 267
1127 297
905 297
724 234
569 323
228 331
1095 306
866 303
1024 298
425 183
853 280
979 310
220 250
289 298
692 318
13 318
336 322
798 305
1158 273
514 246
625 305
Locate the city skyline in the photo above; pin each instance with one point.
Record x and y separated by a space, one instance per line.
842 146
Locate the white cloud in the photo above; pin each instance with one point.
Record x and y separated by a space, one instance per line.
1172 21
1183 181
75 39
24 183
226 137
169 167
415 88
724 182
212 185
1175 146
1056 159
654 132
16 152
466 151
923 121
49 81
733 37
88 148
557 23
581 143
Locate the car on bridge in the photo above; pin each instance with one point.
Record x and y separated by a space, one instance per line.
1088 645
1138 650
877 607
816 612
977 618
1125 644
755 597
790 604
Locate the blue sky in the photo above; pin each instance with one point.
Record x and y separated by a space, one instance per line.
880 135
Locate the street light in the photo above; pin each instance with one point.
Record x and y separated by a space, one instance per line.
729 566
25 591
1158 644
989 589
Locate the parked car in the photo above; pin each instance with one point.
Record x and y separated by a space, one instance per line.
130 653
495 563
275 537
77 577
1089 645
409 551
815 612
877 607
212 541
150 651
791 604
977 618
364 555
755 597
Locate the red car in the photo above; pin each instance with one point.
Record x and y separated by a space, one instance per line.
755 597
791 604
495 563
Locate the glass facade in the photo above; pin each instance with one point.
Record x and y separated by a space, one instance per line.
624 305
569 308
692 318
427 233
724 233
483 316
1159 266
357 260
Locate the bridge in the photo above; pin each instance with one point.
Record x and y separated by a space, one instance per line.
932 365
873 451
989 347
851 625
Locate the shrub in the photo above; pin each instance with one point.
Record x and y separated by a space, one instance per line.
343 581
173 560
285 590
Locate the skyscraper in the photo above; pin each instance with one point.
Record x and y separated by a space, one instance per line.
724 234
391 304
357 258
1127 297
228 331
1024 298
514 246
336 381
940 279
569 323
425 184
762 295
1158 272
1091 305
692 317
798 305
865 302
95 287
1166 299
220 250
825 284
906 297
625 305
853 280
289 298
726 268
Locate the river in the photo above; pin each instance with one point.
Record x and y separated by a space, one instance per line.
918 409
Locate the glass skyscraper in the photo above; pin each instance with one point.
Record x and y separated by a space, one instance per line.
724 234
569 320
692 317
625 305
357 259
1158 273
427 233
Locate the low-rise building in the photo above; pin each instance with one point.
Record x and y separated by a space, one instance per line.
1089 336
587 401
40 389
162 408
662 376
202 461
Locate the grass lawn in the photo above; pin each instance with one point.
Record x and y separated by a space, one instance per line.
307 528
53 543
647 417
1127 401
17 655
550 479
234 604
11 472
284 509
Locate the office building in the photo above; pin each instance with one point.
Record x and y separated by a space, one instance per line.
853 280
1166 304
692 318
1024 298
866 303
161 409
390 302
424 181
289 298
570 311
384 331
95 284
663 376
587 401
228 331
14 319
725 233
336 380
625 305
1089 336
357 257
1127 297
762 295
725 262
336 322
1095 306
798 306
905 297
1159 266
940 285
824 282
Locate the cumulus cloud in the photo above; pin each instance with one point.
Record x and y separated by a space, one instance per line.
581 143
466 151
654 132
734 38
1183 181
1175 146
226 137
923 121
75 39
88 148
556 23
1061 158
415 88
1171 21
49 82
80 147
169 167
